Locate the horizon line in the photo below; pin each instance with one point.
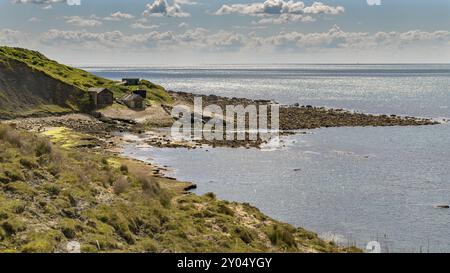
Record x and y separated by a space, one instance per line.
236 64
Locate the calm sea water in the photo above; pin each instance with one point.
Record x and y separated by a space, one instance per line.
353 185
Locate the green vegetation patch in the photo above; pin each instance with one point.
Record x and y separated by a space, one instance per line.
66 74
51 195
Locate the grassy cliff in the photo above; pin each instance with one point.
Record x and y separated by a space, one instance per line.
53 192
32 84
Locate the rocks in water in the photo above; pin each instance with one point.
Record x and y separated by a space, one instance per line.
443 206
213 97
190 187
263 101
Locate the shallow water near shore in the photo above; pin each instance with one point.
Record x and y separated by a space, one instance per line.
350 184
353 184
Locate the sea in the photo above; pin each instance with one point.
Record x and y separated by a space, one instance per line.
352 185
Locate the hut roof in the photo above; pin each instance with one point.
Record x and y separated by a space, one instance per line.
130 97
97 89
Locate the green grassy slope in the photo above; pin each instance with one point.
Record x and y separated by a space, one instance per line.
51 194
65 74
32 84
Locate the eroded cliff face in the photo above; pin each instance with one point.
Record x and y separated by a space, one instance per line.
25 91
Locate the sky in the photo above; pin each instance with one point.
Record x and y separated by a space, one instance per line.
196 32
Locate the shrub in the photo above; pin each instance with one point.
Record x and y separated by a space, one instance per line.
28 163
43 147
149 245
149 186
104 161
124 169
14 175
53 190
279 235
246 235
121 185
38 246
12 226
164 199
224 209
210 195
8 134
4 130
54 168
119 222
107 178
69 228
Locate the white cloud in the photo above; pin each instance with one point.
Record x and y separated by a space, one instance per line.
280 11
186 2
320 8
162 8
285 18
13 37
143 23
119 16
38 2
47 4
79 21
138 25
103 40
337 38
275 7
199 40
35 20
143 20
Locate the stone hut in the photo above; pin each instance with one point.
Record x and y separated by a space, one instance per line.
133 101
101 96
142 93
130 81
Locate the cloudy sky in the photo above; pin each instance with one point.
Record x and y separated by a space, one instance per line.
190 32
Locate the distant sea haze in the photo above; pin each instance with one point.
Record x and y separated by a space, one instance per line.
354 185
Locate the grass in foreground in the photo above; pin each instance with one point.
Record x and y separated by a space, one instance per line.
51 195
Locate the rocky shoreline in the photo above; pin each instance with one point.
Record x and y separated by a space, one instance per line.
293 119
296 117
